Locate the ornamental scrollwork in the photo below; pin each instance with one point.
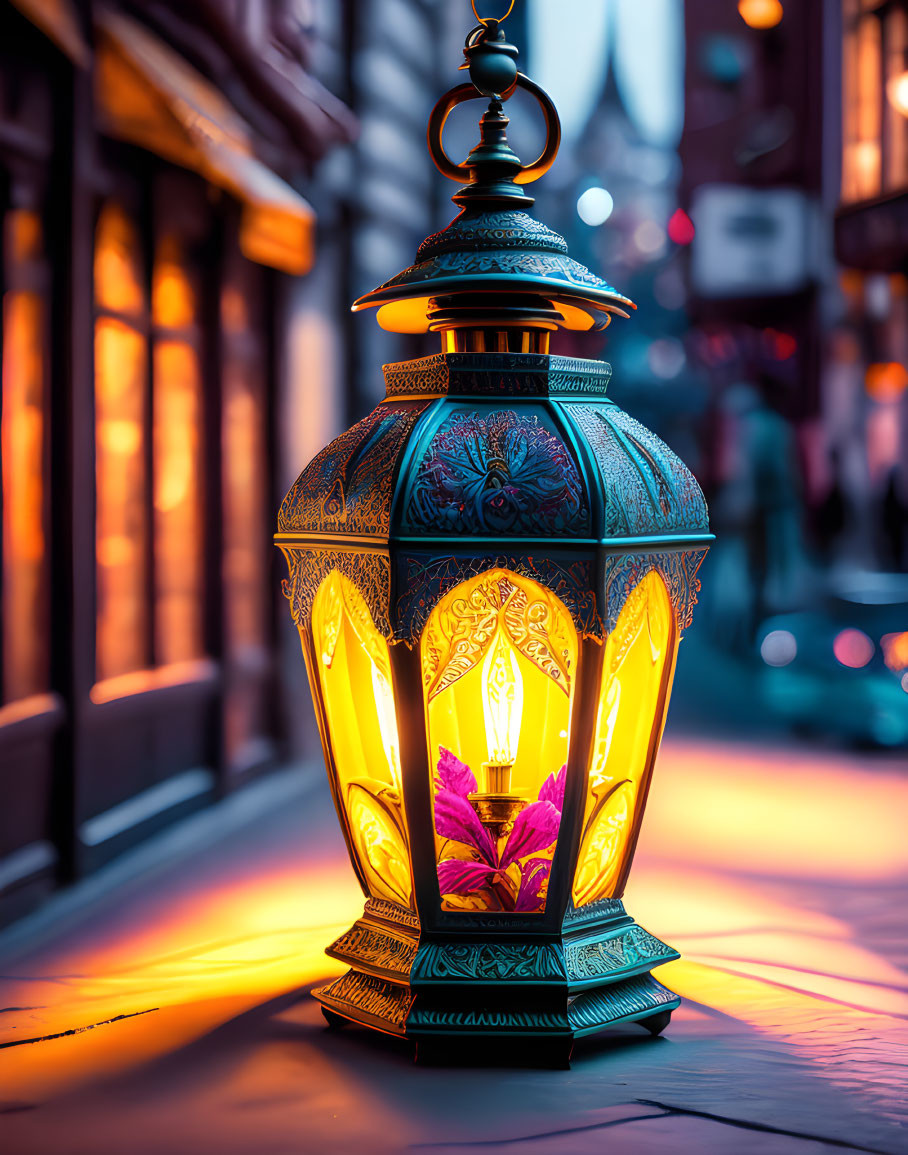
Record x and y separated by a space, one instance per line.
618 1001
369 570
624 573
603 910
497 375
370 946
593 960
370 995
463 627
497 472
489 962
349 486
422 580
506 229
648 489
381 908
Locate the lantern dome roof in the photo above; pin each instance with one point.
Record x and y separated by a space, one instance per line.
517 454
497 249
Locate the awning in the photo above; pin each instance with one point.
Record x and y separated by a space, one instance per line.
59 21
148 95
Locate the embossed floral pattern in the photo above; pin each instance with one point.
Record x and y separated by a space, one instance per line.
512 877
501 472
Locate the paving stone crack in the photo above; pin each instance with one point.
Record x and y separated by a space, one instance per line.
748 1125
75 1030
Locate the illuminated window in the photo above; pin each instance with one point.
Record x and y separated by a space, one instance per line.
121 383
874 124
149 527
177 440
23 454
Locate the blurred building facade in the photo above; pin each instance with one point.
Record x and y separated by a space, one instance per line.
176 344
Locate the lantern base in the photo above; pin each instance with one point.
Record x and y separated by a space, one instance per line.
478 999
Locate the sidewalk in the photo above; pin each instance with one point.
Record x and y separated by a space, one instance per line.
167 1011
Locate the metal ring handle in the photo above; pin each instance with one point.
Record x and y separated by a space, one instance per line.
464 92
497 19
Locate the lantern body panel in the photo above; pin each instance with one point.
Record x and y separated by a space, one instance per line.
497 626
495 540
636 673
362 747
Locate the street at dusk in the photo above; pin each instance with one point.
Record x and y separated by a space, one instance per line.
781 875
453 577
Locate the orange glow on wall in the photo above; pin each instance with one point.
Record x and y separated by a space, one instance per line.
22 435
178 528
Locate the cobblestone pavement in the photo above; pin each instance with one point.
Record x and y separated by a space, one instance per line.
163 1007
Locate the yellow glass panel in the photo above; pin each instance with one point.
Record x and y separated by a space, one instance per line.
178 528
637 662
354 676
121 525
22 454
498 656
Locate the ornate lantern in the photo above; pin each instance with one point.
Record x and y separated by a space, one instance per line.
490 574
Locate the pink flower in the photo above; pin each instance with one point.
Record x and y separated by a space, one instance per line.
457 876
455 818
535 873
552 790
454 775
535 829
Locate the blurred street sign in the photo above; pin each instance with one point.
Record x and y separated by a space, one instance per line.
749 242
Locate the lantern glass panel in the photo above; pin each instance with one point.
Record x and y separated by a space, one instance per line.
637 668
363 751
498 659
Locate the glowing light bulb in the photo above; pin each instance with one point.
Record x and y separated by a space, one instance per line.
387 721
502 701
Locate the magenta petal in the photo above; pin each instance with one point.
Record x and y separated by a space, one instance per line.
552 790
454 775
535 828
455 876
455 818
534 874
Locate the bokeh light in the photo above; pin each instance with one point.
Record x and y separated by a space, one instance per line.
594 207
779 648
760 13
853 648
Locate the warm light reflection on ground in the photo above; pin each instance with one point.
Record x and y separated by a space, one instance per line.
780 877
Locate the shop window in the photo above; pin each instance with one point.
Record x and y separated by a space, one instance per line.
23 450
177 438
121 386
149 445
874 100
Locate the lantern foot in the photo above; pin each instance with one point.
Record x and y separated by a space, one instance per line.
656 1024
334 1020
